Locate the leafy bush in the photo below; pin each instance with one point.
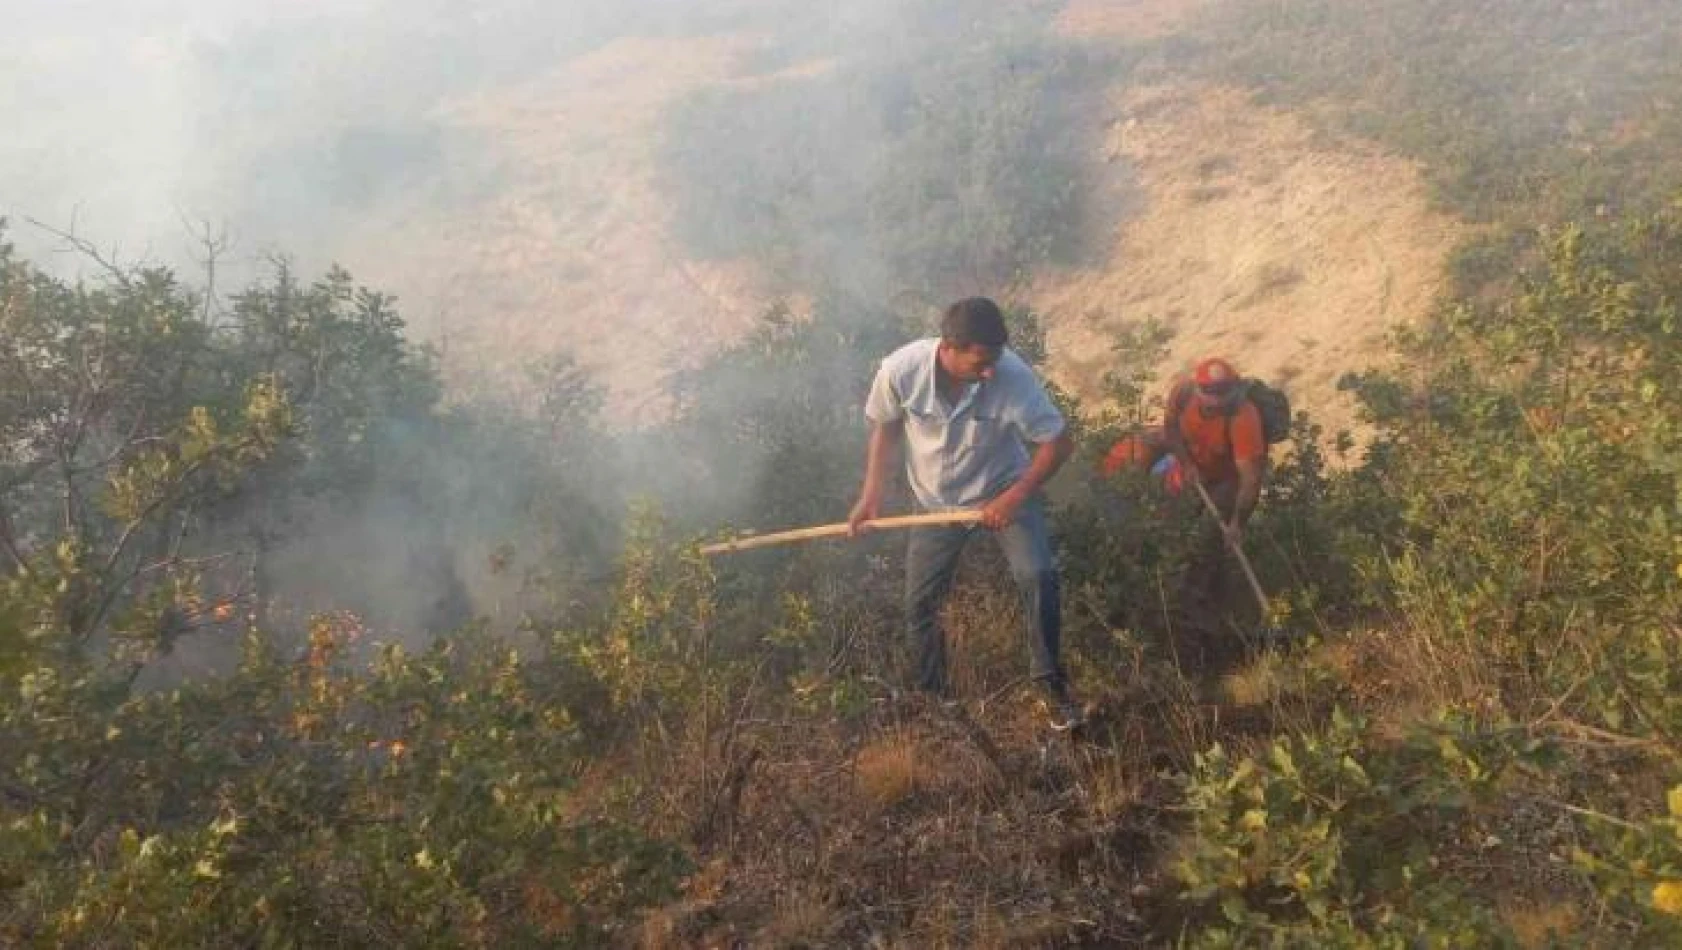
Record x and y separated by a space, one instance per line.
1532 451
116 422
1333 839
936 168
1316 540
410 799
1521 111
1638 866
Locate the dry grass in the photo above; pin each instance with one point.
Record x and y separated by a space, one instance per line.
573 230
1261 682
1270 280
802 917
919 827
907 825
912 826
889 770
1541 925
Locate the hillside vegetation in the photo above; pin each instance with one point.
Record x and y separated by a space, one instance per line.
903 166
1524 113
1471 740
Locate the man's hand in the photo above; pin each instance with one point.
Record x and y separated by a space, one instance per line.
1001 511
1049 456
1189 473
1234 533
883 438
868 508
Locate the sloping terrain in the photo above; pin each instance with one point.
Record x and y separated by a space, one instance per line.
1235 224
1253 238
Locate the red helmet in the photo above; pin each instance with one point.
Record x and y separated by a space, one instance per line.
1215 376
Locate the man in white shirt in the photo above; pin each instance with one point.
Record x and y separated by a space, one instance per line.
967 410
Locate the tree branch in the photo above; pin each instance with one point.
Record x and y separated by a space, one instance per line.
213 246
86 248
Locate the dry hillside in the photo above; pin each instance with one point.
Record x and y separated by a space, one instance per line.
1252 238
1239 227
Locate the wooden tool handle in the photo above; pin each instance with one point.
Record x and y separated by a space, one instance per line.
1243 561
840 530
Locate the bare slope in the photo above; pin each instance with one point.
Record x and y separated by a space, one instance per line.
1253 238
1240 228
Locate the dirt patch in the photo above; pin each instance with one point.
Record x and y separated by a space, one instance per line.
1255 238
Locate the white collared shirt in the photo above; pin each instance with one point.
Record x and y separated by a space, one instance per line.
961 455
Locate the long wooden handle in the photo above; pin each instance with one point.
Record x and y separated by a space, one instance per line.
838 530
1243 562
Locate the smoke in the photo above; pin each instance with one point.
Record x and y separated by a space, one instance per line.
280 119
880 155
329 131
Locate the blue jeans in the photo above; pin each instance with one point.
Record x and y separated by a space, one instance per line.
931 561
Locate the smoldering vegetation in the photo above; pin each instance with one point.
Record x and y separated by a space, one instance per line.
297 647
905 172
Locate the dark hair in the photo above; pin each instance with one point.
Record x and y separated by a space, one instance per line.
974 320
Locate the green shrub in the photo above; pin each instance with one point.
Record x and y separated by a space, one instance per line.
1333 838
1527 112
410 799
1531 449
936 167
1637 866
